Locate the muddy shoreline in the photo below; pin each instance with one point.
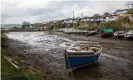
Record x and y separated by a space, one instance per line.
116 47
51 62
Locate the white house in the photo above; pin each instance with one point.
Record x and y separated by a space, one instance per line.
85 20
131 17
55 21
91 19
69 21
111 18
99 19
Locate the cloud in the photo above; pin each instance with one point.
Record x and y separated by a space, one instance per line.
17 11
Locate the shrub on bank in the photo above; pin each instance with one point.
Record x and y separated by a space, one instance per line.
115 25
9 72
52 26
3 37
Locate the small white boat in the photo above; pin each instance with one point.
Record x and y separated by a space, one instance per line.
129 34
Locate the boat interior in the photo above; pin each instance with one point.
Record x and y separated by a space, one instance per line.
84 48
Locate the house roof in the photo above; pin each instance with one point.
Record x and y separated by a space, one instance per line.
112 15
121 10
125 15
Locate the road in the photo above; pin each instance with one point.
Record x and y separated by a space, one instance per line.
45 51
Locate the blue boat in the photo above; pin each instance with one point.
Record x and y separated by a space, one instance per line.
81 54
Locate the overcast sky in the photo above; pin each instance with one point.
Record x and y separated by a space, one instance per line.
17 11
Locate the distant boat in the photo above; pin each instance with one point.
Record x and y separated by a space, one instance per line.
129 34
106 32
81 54
92 32
77 31
119 34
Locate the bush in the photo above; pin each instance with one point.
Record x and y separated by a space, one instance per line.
3 33
3 37
69 25
115 25
124 19
82 28
52 26
130 11
55 26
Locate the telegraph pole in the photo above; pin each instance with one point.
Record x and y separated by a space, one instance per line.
73 18
73 14
128 9
132 9
81 15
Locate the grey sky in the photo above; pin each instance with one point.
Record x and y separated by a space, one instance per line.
17 11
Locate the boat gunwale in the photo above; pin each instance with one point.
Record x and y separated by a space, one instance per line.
77 55
83 55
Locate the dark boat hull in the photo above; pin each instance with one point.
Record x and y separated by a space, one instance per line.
75 61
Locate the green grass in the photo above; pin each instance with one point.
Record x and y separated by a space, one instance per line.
9 72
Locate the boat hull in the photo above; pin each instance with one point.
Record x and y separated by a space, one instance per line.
75 61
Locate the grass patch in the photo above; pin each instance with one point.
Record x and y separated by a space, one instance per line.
9 72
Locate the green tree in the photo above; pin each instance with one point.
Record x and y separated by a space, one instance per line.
25 25
37 24
54 26
115 25
96 16
69 25
124 19
106 14
130 11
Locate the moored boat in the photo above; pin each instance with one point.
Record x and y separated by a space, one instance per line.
129 34
81 54
106 32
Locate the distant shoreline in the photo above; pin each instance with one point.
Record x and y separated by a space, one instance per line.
8 26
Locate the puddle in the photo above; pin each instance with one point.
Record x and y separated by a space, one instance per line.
116 58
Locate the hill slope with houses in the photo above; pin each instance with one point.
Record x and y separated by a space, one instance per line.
120 19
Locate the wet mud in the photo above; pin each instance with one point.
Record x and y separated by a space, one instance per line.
45 51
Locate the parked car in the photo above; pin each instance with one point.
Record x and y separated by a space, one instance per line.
106 32
119 34
129 34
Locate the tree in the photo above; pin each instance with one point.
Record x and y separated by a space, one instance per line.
106 14
38 24
25 25
130 11
116 11
115 25
96 16
124 19
69 25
